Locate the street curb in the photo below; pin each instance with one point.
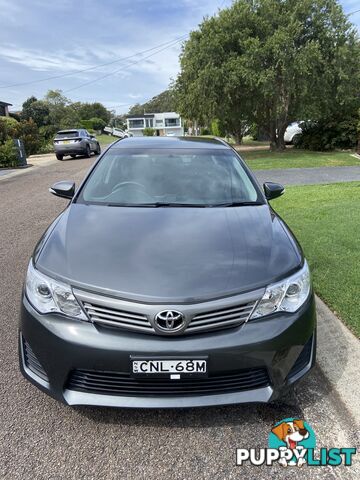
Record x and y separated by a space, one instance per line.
338 356
34 166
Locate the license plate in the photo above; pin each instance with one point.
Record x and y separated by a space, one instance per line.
66 141
174 368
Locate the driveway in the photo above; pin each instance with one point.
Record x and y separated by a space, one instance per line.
307 176
42 439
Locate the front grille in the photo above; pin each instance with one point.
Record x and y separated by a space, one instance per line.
303 359
32 363
231 316
122 384
224 318
118 318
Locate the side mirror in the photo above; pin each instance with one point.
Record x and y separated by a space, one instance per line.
92 137
273 190
64 189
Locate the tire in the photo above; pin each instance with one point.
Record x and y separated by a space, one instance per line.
98 149
73 156
296 139
59 156
88 151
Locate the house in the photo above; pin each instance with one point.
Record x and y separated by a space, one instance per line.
164 124
4 109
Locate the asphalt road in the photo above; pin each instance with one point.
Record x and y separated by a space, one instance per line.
42 439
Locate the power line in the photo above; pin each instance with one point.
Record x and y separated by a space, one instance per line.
75 72
352 13
124 68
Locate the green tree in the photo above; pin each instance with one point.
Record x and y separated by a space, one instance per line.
38 110
62 113
270 62
164 102
118 121
86 111
136 109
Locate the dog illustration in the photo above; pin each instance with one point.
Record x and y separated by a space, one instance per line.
291 433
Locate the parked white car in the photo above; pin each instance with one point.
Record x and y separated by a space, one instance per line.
293 130
117 132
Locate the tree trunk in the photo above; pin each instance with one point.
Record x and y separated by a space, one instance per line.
238 137
273 137
277 142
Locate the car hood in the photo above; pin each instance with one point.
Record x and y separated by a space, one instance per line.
168 254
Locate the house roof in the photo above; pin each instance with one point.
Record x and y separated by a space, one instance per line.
142 115
5 104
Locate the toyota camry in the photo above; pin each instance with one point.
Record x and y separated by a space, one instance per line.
167 281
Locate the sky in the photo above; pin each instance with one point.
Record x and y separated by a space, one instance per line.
133 45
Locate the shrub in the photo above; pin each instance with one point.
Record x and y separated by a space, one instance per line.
217 129
28 132
8 157
7 128
98 123
205 131
328 134
93 124
148 132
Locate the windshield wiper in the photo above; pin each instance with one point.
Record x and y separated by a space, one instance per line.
157 205
177 204
236 204
186 205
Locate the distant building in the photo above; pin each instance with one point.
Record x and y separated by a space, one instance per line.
164 124
4 109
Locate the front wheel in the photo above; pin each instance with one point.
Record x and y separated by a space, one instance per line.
73 156
98 149
59 156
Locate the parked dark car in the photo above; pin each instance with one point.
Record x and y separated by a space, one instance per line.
168 281
75 142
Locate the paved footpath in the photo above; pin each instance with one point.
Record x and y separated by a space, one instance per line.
308 176
43 439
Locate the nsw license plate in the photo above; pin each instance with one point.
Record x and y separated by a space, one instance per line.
66 141
169 368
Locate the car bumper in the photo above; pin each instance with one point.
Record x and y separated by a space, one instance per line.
53 349
77 148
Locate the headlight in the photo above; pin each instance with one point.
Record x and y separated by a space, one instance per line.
49 295
287 295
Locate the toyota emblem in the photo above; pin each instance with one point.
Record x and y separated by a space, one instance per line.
169 321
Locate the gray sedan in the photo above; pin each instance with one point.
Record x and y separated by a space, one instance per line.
75 142
168 281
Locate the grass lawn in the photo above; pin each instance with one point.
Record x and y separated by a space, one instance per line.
105 140
326 221
294 158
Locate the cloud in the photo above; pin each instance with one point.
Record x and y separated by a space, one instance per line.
39 60
40 39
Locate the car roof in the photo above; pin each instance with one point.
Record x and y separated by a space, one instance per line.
70 130
170 142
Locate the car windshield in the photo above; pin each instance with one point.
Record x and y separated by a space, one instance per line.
156 178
